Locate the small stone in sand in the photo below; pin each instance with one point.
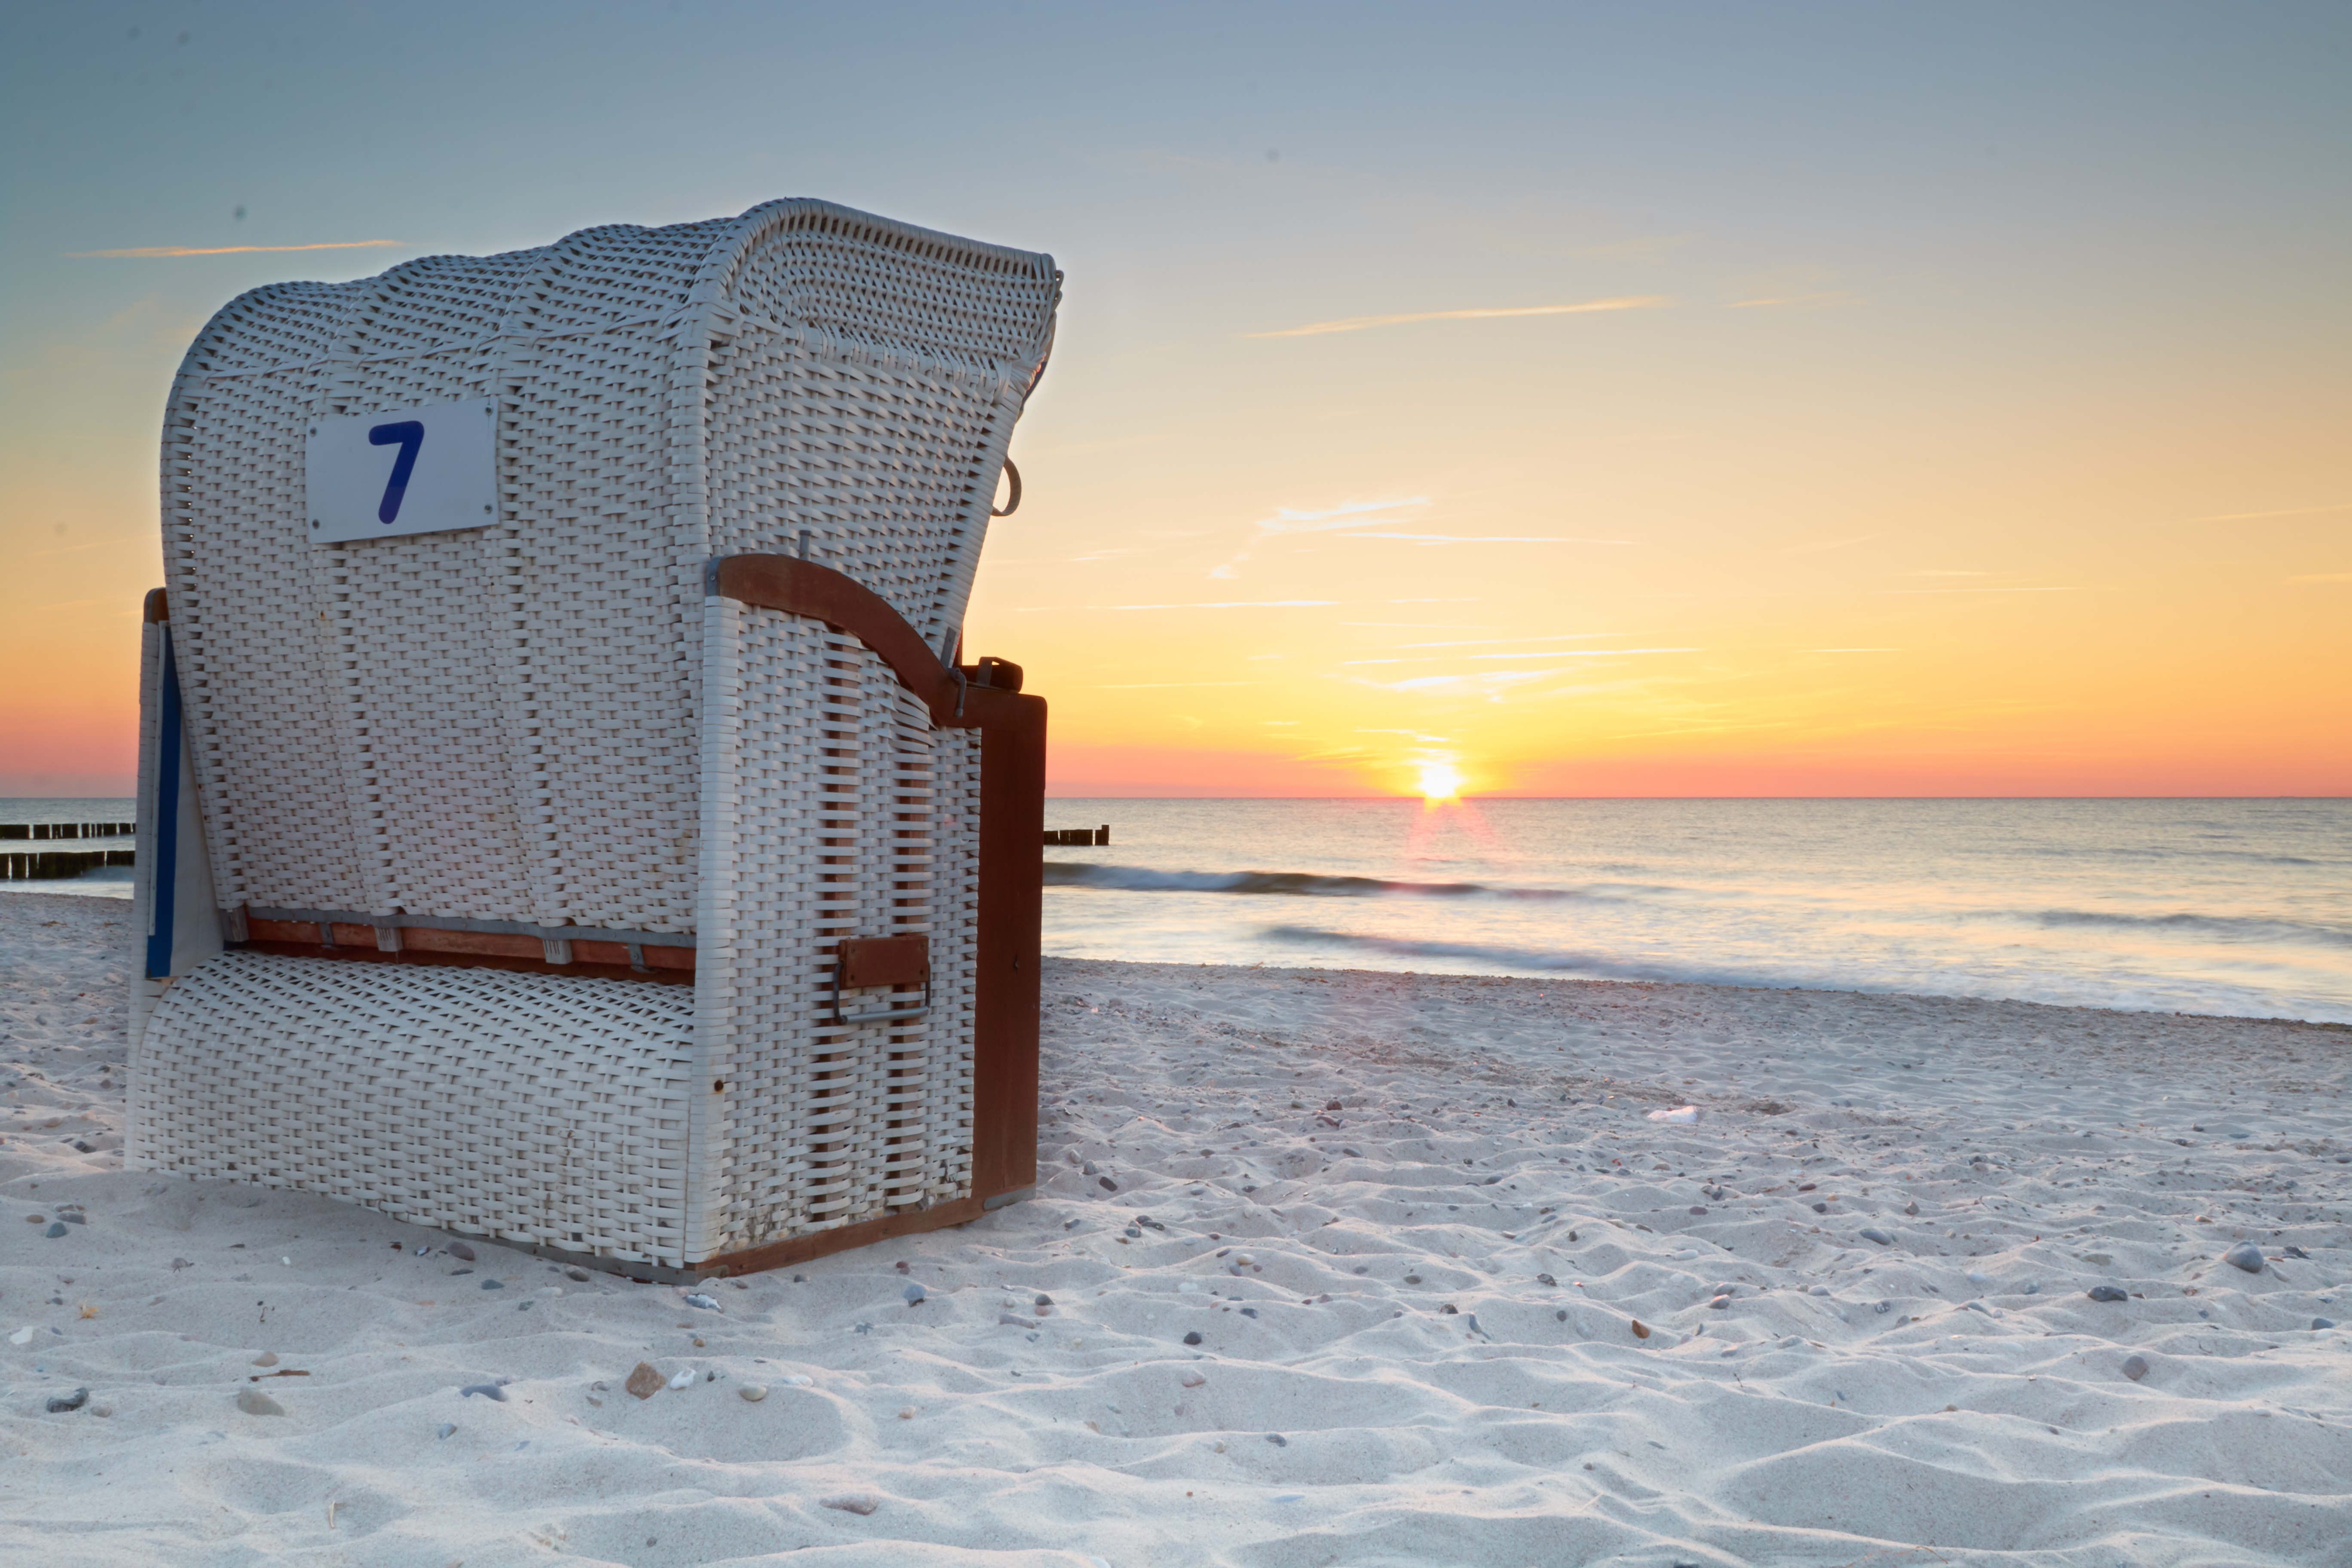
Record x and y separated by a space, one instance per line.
1278 1439
1192 1379
56 1229
2135 1367
683 1380
859 1503
447 1428
74 1401
486 1390
752 1392
1880 1236
577 1275
1640 1329
267 1358
2108 1293
253 1402
643 1381
2245 1256
906 1413
459 1250
2319 1323
1192 1339
494 1284
914 1294
1106 1184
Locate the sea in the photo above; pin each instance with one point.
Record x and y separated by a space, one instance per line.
2240 908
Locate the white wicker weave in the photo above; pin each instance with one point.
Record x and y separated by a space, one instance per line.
544 723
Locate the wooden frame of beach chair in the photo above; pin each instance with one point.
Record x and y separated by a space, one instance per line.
635 877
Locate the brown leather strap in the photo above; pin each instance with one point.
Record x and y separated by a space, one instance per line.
804 588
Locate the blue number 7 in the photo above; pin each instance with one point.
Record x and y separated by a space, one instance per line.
409 434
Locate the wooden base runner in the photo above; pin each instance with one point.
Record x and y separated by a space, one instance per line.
777 1253
354 954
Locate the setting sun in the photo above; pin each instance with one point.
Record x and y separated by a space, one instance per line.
1439 781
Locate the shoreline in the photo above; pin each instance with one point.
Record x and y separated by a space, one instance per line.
1414 1221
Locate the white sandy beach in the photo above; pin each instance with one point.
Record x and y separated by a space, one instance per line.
1413 1222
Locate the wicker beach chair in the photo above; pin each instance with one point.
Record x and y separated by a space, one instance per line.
556 696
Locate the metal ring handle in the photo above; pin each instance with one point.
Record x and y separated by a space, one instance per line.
1013 501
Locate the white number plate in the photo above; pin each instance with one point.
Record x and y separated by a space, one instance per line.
403 470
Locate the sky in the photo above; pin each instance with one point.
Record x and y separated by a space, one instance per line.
1563 400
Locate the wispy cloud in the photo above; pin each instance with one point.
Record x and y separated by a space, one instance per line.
1358 323
2290 511
1586 652
1492 683
156 252
1643 247
1083 448
1485 539
1783 299
1226 605
1489 642
97 544
1814 546
1327 519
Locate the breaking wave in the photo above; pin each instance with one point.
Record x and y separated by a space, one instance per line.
2227 927
1304 884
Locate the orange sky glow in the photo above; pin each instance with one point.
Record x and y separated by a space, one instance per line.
1603 435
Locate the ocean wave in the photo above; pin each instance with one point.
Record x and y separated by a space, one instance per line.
1300 884
1589 965
2228 927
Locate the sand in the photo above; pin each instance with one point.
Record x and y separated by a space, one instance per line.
1414 1221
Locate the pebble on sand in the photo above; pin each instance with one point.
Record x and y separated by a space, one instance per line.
752 1392
1193 1338
460 1250
253 1402
56 1229
2135 1367
486 1390
1640 1329
74 1401
1880 1236
859 1503
2108 1293
2245 1256
643 1381
577 1275
683 1380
